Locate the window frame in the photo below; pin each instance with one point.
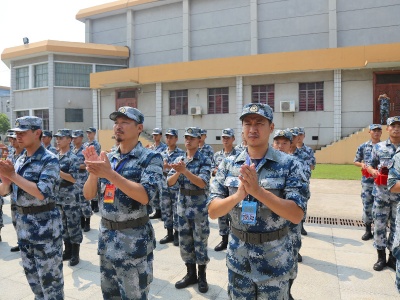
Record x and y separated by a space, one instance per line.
181 99
215 95
22 79
44 75
74 113
256 96
311 96
71 79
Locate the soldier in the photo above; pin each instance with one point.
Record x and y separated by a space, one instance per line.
262 189
206 149
91 135
384 103
33 179
367 181
384 207
86 210
130 177
66 200
170 194
242 146
192 172
158 147
228 137
303 147
46 140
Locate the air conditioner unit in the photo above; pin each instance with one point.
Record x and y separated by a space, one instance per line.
195 110
288 106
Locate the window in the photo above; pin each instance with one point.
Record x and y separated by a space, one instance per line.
263 94
178 102
40 75
311 96
102 68
21 113
73 115
76 75
218 100
44 114
22 78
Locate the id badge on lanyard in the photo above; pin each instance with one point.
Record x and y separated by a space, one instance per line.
248 215
109 193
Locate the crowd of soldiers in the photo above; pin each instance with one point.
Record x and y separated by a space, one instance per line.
258 192
380 193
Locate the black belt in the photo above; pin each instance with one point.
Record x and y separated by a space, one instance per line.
192 192
257 238
65 183
82 171
28 210
125 224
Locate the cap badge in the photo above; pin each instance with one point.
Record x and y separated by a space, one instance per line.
122 109
254 108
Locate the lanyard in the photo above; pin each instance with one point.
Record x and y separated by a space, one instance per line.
117 166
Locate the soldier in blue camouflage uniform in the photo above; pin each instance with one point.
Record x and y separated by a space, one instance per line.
46 140
192 173
228 137
384 103
32 180
263 190
66 198
242 146
363 154
170 194
91 134
158 146
130 177
206 149
304 148
385 203
86 210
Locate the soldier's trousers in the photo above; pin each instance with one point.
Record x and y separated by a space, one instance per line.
71 218
223 225
384 212
86 208
367 201
244 288
168 208
126 278
1 217
193 239
43 268
384 115
295 237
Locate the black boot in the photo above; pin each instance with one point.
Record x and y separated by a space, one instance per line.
303 231
368 234
156 215
95 205
190 277
203 286
82 222
74 255
15 249
67 251
223 244
299 257
169 237
176 238
391 263
290 287
381 263
86 228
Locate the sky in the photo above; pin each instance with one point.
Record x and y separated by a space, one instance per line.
40 20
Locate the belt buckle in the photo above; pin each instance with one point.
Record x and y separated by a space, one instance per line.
254 238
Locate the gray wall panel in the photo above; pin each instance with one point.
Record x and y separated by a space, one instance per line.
222 35
212 5
294 43
221 50
165 12
162 57
109 30
112 37
343 5
158 44
272 10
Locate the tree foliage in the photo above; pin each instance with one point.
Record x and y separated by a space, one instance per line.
4 123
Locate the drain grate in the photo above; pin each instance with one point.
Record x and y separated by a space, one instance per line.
334 221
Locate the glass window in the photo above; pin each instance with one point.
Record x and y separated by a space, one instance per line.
102 68
22 78
21 113
218 100
73 115
263 94
44 114
311 96
178 102
76 75
41 75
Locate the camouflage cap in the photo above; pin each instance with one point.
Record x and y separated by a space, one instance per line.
91 129
294 131
203 131
172 131
392 120
283 133
129 112
301 130
157 131
375 126
64 132
228 132
193 131
77 133
47 133
27 123
263 110
11 134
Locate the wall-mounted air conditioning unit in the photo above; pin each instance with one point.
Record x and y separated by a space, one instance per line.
195 110
288 106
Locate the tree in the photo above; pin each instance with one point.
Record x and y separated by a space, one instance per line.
4 123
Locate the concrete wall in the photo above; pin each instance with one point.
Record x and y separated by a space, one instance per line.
109 30
30 99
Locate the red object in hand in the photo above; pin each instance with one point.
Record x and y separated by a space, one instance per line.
365 173
381 179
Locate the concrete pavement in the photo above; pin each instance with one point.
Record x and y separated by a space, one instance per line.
337 264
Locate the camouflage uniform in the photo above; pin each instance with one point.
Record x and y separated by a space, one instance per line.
41 250
207 151
240 147
384 103
52 149
124 253
97 147
159 149
49 147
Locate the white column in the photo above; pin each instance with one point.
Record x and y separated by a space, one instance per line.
130 36
96 109
31 76
253 27
50 90
159 105
332 24
185 31
13 86
239 106
337 105
88 31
